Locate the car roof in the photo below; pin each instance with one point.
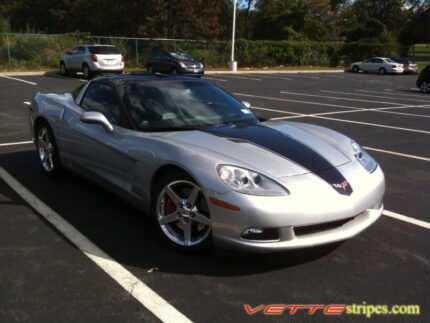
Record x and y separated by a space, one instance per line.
122 78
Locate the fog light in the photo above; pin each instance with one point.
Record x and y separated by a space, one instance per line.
261 234
252 230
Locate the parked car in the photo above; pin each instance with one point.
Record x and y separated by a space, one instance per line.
174 63
205 168
381 65
423 81
409 66
91 60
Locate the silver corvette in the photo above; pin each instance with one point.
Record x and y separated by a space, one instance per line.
206 169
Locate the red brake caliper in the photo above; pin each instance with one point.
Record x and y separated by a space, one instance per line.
169 206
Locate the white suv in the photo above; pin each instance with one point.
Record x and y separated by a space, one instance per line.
92 59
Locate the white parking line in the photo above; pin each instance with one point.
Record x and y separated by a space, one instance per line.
320 116
339 98
305 76
373 124
139 290
215 79
297 101
374 96
275 77
16 143
398 154
391 92
408 219
16 79
242 77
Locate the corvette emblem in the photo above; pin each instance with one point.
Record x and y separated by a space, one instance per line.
342 185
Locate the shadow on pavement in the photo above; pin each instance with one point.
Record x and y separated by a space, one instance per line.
128 236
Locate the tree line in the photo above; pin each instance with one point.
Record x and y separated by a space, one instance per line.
382 21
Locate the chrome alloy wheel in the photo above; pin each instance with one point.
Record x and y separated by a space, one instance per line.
183 214
45 149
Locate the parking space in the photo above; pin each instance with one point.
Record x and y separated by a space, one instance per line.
387 264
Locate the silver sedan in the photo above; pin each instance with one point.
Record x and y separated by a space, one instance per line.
201 163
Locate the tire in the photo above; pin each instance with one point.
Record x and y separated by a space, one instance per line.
86 71
382 71
355 69
63 69
425 87
47 150
174 71
181 213
150 70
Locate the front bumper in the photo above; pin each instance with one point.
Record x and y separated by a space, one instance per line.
314 214
395 70
192 71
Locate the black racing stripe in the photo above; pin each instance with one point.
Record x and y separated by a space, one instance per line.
287 147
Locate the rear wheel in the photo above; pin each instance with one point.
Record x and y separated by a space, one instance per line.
355 69
382 71
63 69
86 71
47 150
425 87
182 213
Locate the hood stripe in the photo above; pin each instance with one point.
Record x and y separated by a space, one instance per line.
288 147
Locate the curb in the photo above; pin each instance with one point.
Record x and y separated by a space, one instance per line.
22 73
206 72
276 71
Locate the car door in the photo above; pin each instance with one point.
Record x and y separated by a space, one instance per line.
70 58
166 63
378 64
365 67
90 149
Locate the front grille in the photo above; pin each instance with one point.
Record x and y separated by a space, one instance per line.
309 229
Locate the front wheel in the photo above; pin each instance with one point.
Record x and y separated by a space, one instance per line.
425 87
182 213
382 71
355 69
47 150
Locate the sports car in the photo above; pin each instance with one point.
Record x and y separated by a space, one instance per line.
205 167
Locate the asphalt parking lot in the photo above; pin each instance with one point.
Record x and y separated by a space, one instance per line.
44 277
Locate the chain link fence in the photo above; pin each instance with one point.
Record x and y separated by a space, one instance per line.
43 51
39 51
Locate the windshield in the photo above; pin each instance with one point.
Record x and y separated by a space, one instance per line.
182 56
103 50
182 105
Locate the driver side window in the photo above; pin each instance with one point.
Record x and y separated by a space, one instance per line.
101 97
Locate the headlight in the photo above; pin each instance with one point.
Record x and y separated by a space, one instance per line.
182 65
363 157
248 182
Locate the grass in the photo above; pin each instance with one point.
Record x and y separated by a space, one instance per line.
420 53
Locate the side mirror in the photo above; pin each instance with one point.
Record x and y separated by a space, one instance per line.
246 104
97 118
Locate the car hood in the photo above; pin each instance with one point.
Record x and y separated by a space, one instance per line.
277 149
